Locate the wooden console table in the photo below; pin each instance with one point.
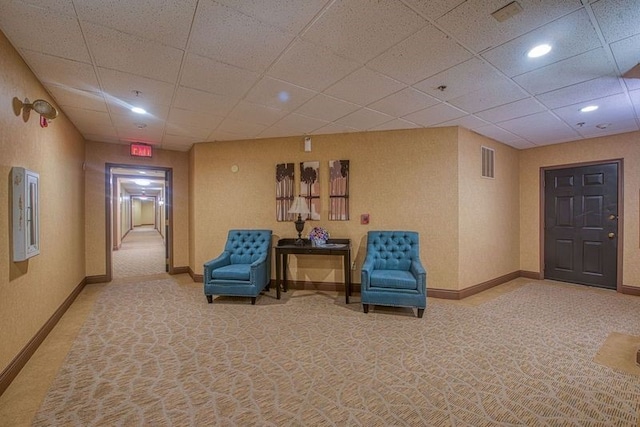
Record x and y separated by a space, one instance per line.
285 247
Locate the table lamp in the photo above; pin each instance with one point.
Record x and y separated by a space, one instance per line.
299 207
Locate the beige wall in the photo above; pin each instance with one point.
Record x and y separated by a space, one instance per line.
403 179
489 211
624 146
97 155
31 291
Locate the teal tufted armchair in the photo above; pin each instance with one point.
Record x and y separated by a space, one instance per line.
243 269
392 273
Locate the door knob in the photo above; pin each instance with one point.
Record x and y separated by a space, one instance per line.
612 217
612 235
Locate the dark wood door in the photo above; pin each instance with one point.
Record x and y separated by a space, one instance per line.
581 225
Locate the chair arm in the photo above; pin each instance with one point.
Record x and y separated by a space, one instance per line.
420 274
365 272
258 269
222 260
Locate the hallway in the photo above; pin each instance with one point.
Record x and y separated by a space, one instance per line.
142 253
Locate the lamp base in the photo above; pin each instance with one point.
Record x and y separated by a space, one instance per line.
299 227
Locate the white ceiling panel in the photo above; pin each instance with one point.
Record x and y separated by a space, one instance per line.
46 31
511 57
404 102
585 91
364 86
278 94
361 30
580 68
434 115
414 59
226 35
472 24
364 119
164 21
523 107
311 66
326 108
617 18
233 70
215 77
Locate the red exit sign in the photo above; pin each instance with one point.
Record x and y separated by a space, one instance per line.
141 150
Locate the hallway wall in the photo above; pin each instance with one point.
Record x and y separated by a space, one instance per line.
31 291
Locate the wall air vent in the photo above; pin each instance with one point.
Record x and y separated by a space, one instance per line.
488 162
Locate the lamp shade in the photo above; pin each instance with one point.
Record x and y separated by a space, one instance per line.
299 206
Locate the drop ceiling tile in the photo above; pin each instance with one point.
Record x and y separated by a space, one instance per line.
361 30
499 134
188 132
580 68
457 81
333 128
281 13
136 135
225 136
255 113
581 92
433 115
246 129
123 86
404 102
293 124
434 9
471 23
540 128
102 137
198 100
88 118
61 72
226 35
192 119
635 100
212 76
627 56
43 30
621 126
155 112
326 108
611 109
65 7
427 52
311 66
467 122
364 86
364 118
520 108
178 142
489 96
617 18
511 57
278 94
141 123
67 96
395 124
164 21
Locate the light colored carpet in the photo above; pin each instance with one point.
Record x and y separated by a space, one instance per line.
142 253
155 353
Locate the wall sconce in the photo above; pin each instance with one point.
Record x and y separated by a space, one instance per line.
43 108
307 144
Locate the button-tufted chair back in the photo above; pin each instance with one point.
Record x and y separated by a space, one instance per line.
393 250
247 246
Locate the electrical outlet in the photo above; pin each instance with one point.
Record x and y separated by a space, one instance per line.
353 265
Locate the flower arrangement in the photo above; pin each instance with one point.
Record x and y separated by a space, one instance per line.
319 235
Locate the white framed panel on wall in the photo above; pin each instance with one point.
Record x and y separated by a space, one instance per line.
25 213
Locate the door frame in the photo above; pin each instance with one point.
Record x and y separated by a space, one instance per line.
620 232
108 207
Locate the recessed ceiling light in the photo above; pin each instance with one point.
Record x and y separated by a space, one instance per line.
589 108
539 50
138 110
142 181
283 96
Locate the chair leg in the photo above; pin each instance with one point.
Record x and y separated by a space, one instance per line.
420 312
210 298
253 300
365 308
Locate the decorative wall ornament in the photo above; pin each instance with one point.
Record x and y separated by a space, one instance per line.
284 191
338 190
310 187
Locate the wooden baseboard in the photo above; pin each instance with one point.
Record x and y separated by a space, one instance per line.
630 290
179 270
480 287
96 279
195 277
16 365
